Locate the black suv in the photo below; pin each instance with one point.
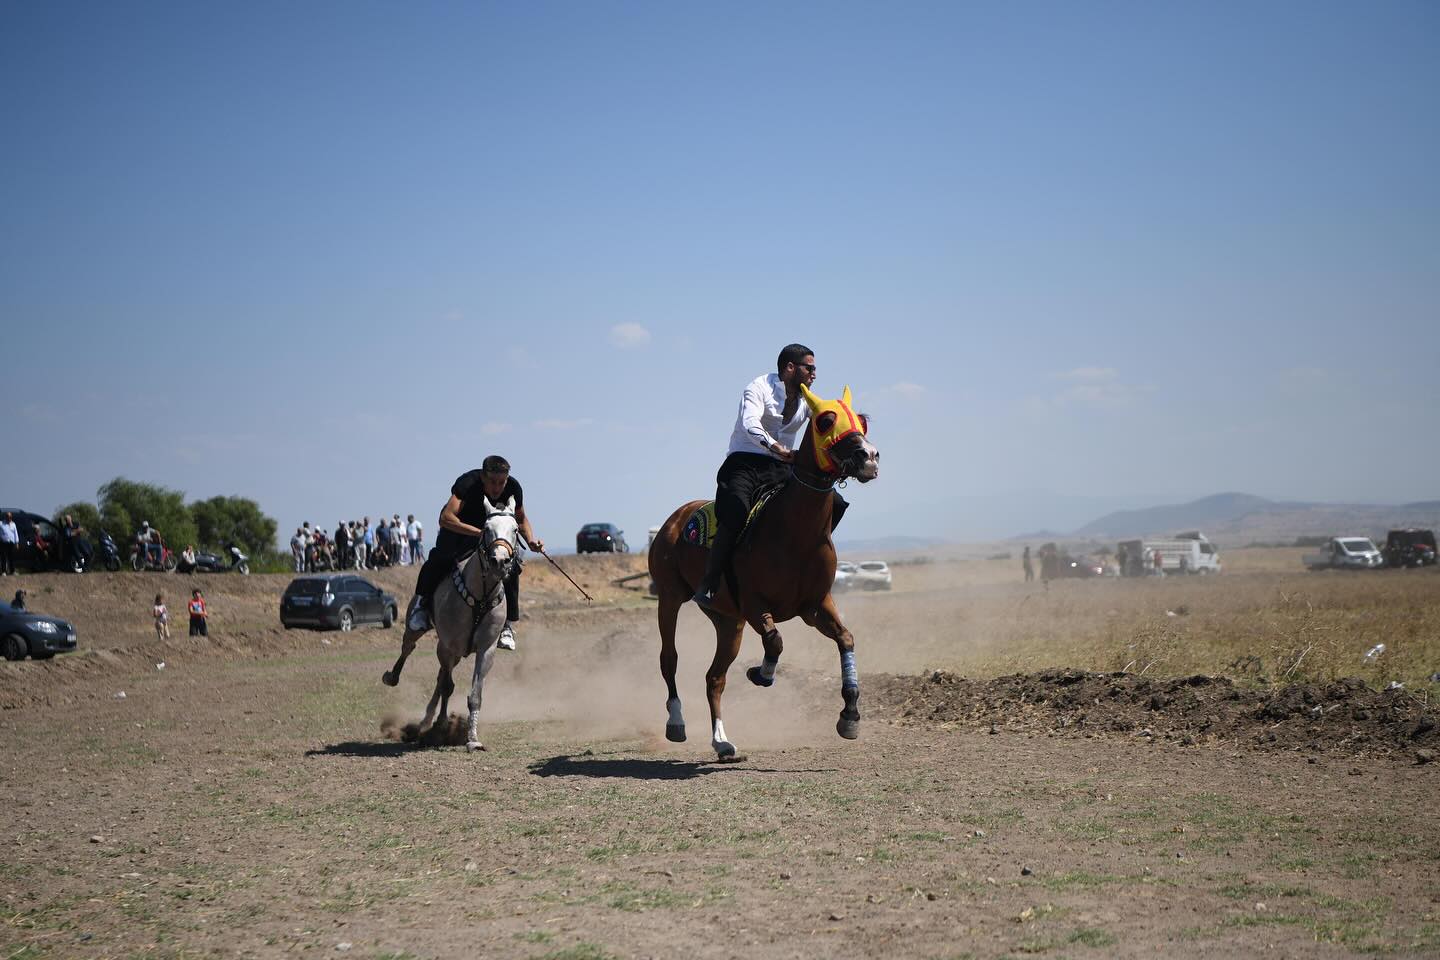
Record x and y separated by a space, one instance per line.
336 601
30 555
1410 548
600 538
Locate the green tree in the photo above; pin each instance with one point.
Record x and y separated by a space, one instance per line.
125 503
221 520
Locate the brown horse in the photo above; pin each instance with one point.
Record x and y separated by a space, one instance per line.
783 568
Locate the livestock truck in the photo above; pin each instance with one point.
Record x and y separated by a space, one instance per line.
1187 552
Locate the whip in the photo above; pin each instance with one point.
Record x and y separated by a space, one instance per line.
588 598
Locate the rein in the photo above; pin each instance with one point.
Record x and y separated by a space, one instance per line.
814 487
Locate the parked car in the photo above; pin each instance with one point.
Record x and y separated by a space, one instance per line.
1410 548
1345 553
1081 567
23 634
870 575
844 575
600 538
336 601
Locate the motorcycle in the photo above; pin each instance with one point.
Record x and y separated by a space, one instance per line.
110 552
142 559
214 563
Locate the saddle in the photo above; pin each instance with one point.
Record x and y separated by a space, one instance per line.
700 529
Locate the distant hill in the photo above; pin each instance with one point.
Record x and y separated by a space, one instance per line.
887 545
1240 518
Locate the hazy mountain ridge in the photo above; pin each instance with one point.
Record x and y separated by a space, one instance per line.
1239 518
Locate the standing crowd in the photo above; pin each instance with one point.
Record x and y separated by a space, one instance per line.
359 545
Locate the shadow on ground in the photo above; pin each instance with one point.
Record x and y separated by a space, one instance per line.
638 768
363 748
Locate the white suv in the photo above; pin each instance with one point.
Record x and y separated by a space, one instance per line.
871 575
844 575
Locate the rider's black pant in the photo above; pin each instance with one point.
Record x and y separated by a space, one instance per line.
743 475
449 548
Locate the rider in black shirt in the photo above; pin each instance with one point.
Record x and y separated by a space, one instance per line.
462 520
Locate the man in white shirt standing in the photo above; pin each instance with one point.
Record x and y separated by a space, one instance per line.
767 431
415 533
9 545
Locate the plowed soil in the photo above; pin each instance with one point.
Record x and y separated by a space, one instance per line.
252 796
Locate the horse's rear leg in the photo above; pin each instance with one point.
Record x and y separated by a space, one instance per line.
669 660
764 675
727 647
827 621
482 667
444 686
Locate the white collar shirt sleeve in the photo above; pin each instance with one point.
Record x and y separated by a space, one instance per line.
760 420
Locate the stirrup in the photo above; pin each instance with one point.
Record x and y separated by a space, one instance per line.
417 618
706 598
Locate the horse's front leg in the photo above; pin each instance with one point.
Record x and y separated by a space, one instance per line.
391 677
827 621
727 647
477 682
764 675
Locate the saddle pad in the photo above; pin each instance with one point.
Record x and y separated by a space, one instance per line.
700 529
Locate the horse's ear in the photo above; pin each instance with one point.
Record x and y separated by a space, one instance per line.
825 422
845 397
811 401
864 422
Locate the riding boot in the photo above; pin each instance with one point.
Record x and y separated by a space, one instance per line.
715 566
417 615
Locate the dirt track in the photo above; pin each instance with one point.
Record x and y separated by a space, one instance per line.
243 800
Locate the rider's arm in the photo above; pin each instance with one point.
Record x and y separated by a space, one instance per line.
752 408
527 531
450 519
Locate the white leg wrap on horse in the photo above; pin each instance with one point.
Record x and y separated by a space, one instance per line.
767 668
718 741
677 717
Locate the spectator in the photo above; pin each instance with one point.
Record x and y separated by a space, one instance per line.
187 559
297 550
416 533
9 545
342 545
382 545
19 602
162 618
1029 568
362 541
198 615
77 543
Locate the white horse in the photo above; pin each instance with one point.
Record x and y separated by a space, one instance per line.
468 613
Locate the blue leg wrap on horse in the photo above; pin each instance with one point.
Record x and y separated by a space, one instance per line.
848 676
767 667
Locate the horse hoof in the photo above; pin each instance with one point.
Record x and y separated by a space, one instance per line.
731 758
758 678
849 729
675 732
724 750
389 679
472 745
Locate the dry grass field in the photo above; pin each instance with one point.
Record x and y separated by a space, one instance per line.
247 800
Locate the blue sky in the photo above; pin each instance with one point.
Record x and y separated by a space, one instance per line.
1072 256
